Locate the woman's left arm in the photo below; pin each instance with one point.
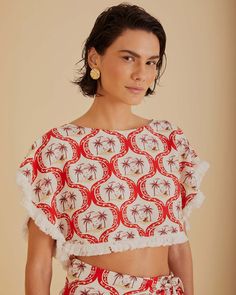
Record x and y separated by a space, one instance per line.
180 263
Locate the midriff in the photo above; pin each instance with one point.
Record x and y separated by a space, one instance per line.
150 261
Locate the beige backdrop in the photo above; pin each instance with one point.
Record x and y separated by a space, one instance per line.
41 41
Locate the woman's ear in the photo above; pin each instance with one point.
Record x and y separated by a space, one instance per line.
93 58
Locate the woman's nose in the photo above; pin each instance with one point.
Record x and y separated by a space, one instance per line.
139 73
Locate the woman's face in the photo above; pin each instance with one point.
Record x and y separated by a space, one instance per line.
128 63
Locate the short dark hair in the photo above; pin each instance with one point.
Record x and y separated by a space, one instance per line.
108 26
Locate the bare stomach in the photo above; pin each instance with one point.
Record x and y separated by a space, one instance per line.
151 261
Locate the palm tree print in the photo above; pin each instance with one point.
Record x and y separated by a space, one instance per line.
118 236
66 129
155 144
50 153
187 151
85 292
133 279
121 189
135 212
63 200
111 143
188 176
98 144
87 220
109 189
174 230
27 172
144 140
80 130
125 165
163 231
167 125
80 268
78 170
92 169
155 186
172 163
102 216
61 227
63 149
117 276
133 164
148 211
130 235
72 197
179 143
38 190
166 184
157 125
47 182
139 163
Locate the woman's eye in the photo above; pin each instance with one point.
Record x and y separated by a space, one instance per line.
152 63
128 58
131 58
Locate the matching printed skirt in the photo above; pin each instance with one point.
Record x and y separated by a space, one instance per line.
85 279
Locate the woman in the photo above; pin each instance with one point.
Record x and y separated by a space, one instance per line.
109 194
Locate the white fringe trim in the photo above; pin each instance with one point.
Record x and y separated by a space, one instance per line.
70 248
198 199
36 214
201 169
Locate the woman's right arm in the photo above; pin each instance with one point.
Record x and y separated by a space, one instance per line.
38 270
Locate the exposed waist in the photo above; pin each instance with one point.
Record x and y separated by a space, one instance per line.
149 261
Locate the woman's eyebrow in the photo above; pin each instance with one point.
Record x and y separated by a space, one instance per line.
136 54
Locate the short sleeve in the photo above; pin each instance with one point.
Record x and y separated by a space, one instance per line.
191 170
38 183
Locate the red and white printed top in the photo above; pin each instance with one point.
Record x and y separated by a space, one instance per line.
97 191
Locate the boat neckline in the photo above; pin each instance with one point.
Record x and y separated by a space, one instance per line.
111 130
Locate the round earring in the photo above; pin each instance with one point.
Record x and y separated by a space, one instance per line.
95 74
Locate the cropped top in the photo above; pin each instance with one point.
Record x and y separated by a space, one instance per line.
97 191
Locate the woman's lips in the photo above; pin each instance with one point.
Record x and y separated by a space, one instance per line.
135 89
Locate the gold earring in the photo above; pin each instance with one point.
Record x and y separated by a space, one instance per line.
95 74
